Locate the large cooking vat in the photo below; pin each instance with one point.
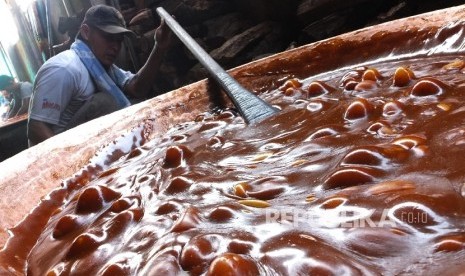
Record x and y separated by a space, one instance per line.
30 175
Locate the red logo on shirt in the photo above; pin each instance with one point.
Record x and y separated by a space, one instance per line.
48 105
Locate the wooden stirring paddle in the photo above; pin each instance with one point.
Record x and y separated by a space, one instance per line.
252 108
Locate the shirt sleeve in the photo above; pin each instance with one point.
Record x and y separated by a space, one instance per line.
120 76
53 89
26 90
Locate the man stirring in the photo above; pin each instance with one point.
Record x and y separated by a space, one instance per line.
83 83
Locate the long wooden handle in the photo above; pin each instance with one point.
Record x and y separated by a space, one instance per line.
252 108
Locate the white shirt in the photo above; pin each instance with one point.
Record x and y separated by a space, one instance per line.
62 86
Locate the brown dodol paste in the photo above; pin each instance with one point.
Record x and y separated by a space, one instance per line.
360 173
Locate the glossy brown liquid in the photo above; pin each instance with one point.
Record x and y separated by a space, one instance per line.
361 173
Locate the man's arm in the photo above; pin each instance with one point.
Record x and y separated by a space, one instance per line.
6 114
53 89
142 82
38 131
24 106
14 107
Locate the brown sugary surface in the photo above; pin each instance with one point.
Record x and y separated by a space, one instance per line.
27 177
60 157
360 168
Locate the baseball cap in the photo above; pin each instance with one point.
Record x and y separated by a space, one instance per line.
5 81
107 19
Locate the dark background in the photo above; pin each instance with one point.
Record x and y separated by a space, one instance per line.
235 32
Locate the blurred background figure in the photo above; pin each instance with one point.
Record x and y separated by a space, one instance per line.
4 105
18 95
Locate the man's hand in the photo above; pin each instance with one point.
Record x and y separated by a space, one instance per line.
140 85
163 37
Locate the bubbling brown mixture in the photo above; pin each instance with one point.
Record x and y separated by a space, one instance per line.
361 173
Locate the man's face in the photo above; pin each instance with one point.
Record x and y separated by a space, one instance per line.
6 94
106 47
